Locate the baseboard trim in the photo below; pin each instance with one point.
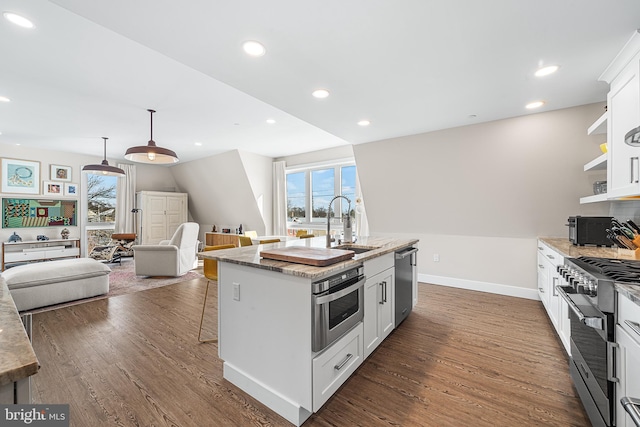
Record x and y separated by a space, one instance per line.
474 285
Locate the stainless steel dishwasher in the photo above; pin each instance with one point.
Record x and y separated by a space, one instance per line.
406 263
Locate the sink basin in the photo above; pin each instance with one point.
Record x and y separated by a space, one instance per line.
358 249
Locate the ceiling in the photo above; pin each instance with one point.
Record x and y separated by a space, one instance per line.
92 68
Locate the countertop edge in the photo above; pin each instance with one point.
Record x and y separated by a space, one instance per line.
17 358
249 255
568 250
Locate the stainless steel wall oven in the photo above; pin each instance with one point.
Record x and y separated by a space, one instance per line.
337 306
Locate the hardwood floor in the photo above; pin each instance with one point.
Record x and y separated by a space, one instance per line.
462 358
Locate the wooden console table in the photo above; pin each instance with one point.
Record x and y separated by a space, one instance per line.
39 250
214 239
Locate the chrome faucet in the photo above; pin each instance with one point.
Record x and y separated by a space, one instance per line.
329 217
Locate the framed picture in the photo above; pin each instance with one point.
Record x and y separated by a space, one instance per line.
70 189
60 173
20 176
51 188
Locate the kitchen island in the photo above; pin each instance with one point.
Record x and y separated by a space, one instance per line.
18 361
265 311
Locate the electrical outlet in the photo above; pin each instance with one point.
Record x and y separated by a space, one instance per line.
436 257
236 291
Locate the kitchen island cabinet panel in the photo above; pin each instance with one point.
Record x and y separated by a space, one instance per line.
379 313
265 334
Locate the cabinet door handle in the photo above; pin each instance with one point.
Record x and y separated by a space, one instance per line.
344 362
553 287
635 327
385 290
541 266
610 359
551 257
381 293
541 290
633 170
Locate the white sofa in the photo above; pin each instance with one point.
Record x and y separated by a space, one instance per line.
46 283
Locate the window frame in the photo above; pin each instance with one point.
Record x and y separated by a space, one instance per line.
308 222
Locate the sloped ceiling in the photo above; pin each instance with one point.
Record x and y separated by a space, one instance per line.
220 192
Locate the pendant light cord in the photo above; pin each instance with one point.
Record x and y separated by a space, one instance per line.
105 147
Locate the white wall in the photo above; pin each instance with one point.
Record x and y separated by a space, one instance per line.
221 192
480 195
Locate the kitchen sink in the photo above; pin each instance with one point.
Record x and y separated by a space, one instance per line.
358 249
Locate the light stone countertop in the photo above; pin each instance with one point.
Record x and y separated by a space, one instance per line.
17 358
568 250
250 255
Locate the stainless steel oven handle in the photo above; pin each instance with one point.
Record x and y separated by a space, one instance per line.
635 327
337 295
632 406
592 322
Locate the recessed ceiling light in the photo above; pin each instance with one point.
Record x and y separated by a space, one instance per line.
320 93
4 99
364 123
254 48
535 104
197 143
271 121
18 20
545 71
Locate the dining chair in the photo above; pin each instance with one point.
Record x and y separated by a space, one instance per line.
252 234
210 270
263 242
245 240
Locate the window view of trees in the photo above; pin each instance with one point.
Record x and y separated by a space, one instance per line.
296 198
101 209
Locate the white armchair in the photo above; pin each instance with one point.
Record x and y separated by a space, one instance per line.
173 257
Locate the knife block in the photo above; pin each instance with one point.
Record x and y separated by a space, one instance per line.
628 253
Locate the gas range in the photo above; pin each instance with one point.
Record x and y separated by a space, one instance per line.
595 278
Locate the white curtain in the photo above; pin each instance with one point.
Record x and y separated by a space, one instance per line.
279 199
126 200
362 225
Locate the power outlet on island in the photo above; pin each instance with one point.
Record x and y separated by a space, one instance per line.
236 291
436 257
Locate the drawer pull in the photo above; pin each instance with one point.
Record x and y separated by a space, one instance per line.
635 327
344 362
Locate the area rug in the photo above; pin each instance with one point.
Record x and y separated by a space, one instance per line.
123 280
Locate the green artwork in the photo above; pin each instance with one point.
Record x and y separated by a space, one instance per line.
21 213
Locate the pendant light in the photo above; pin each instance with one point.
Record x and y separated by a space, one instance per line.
151 153
104 168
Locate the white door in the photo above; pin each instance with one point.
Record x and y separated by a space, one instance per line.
156 220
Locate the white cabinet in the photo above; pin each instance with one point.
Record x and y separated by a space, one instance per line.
161 214
548 278
622 161
379 304
623 178
334 366
628 357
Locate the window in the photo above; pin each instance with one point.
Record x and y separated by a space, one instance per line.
101 209
310 189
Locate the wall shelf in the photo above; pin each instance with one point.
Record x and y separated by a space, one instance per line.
593 199
599 163
599 126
